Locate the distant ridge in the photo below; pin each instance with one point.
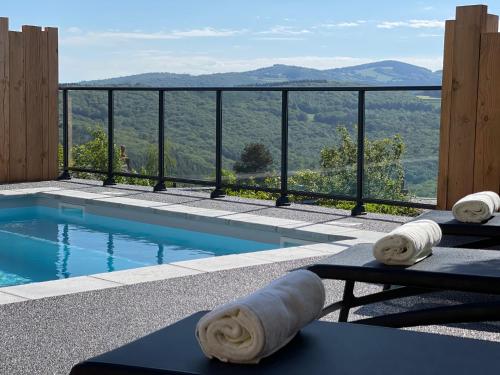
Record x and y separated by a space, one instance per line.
388 72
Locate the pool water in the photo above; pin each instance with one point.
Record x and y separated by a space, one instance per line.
39 243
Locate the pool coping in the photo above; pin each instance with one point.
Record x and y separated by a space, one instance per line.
324 240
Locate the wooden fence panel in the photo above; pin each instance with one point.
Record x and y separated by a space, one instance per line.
470 22
4 99
44 67
487 155
444 134
53 103
17 162
34 102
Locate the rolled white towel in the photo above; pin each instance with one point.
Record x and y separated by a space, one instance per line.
477 207
408 244
256 326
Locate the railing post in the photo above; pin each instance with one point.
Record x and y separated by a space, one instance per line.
65 173
359 209
111 149
218 192
160 185
283 198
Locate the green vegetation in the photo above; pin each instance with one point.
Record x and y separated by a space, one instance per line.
338 169
255 157
255 117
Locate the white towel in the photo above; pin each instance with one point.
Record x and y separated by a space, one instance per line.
254 327
477 207
408 244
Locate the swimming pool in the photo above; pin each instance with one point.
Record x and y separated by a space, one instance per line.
40 243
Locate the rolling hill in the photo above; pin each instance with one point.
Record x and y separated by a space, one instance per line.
379 73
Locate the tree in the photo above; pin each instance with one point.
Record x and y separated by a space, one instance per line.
255 157
384 173
94 154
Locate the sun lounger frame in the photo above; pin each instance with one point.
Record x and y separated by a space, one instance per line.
488 231
478 272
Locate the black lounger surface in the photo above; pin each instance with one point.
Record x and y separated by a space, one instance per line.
320 348
447 268
449 225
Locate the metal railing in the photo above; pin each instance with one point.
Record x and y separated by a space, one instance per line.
218 183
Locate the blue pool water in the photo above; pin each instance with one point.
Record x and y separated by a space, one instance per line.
39 243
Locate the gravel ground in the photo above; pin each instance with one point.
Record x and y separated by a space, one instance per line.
201 198
49 336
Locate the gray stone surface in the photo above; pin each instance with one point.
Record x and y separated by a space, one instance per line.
200 197
49 336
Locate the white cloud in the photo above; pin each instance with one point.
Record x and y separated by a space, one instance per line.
346 24
78 37
414 24
291 38
284 30
74 30
426 35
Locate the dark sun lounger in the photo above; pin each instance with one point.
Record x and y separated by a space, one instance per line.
453 269
320 348
489 231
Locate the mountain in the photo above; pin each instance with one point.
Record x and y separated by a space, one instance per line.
378 73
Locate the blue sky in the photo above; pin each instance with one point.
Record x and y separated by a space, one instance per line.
105 38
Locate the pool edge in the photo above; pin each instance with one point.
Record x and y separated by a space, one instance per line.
328 239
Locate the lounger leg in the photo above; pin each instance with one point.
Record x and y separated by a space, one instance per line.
347 301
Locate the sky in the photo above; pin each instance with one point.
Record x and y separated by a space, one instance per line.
111 38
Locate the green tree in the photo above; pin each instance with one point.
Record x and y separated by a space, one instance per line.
94 154
384 173
255 157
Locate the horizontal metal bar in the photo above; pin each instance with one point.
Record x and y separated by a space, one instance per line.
189 181
400 203
461 313
252 88
262 188
86 170
135 175
311 194
250 187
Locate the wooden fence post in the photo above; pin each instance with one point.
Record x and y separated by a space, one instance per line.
29 118
468 157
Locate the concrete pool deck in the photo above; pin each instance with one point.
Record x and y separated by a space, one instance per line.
49 335
312 239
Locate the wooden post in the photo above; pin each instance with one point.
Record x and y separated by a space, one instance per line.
4 99
34 103
53 101
29 107
470 101
17 163
487 158
470 23
444 134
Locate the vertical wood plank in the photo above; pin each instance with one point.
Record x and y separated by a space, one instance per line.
34 102
444 133
4 99
44 71
487 158
53 102
491 23
470 23
17 162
